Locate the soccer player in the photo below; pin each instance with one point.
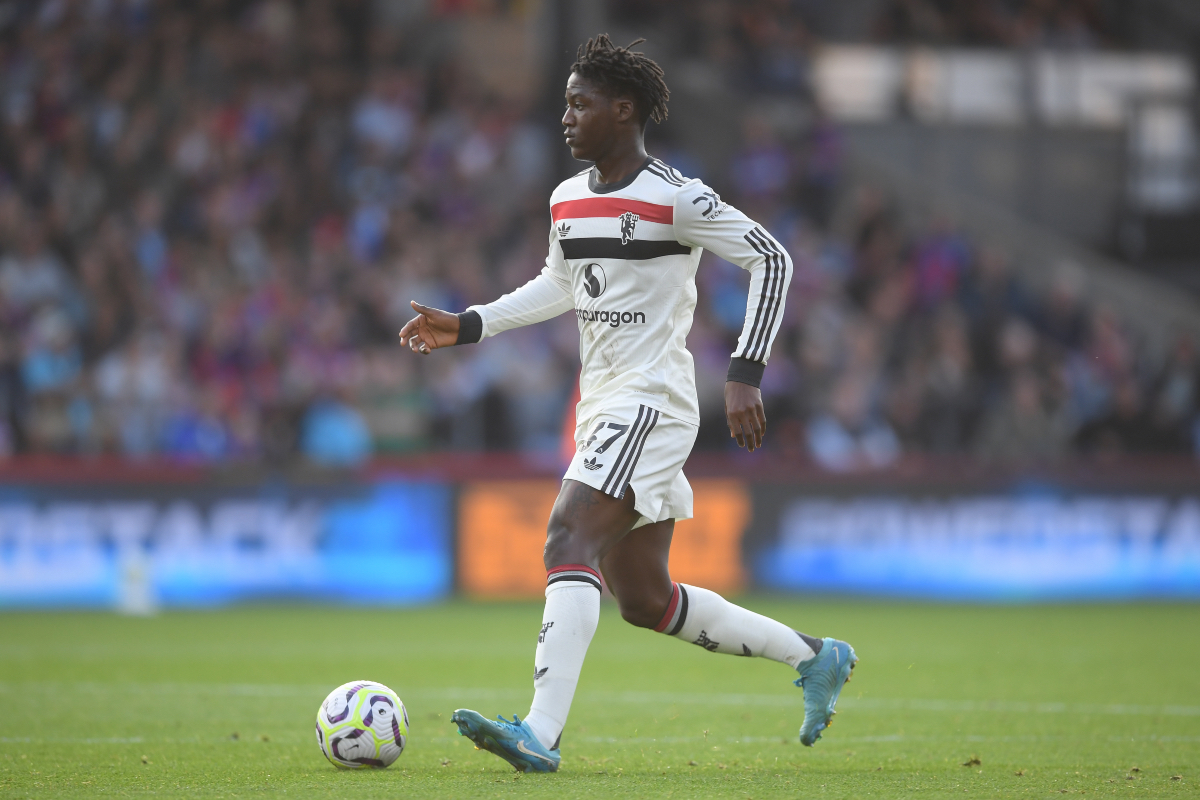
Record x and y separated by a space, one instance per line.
625 240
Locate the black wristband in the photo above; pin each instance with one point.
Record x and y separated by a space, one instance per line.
743 370
470 327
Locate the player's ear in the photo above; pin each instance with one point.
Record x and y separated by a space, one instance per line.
626 110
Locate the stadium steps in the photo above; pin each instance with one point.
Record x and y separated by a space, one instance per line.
1156 309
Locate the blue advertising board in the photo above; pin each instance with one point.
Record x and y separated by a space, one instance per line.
991 547
386 542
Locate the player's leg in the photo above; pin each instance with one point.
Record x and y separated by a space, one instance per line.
584 523
636 571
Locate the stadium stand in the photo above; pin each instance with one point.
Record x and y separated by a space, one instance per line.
212 217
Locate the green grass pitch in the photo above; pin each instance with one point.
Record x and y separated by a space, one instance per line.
946 701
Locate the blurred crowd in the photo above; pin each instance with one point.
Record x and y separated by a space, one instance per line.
765 46
900 340
213 216
1061 24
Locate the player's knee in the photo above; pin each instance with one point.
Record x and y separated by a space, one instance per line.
641 612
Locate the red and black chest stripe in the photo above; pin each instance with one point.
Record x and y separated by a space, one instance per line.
625 246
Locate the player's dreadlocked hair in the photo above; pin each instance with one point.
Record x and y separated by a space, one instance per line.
620 71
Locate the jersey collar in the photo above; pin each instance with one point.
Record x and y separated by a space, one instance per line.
605 188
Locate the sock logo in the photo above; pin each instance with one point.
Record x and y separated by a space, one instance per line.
538 673
707 643
746 651
542 636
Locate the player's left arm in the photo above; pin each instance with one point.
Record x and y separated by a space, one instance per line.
545 296
703 219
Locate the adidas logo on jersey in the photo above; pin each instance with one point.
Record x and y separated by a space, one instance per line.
564 229
590 463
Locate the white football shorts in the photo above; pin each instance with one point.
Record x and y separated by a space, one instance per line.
640 447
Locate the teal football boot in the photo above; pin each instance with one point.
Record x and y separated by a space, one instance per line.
512 741
822 679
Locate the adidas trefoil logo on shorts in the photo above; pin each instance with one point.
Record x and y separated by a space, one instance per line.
538 673
590 463
564 229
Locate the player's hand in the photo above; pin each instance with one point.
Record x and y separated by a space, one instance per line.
745 415
429 330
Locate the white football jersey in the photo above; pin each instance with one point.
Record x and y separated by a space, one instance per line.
623 257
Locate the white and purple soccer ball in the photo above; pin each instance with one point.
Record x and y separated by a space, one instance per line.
362 724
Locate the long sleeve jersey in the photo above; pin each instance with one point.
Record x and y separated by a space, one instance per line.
623 256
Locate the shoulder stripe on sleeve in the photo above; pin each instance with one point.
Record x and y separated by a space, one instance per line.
661 174
661 170
775 300
781 260
762 298
769 298
674 173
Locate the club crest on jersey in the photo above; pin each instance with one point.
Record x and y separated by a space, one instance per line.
628 221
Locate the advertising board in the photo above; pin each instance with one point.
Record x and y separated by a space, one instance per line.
502 530
140 546
989 547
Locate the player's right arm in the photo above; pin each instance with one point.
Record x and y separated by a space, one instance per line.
544 297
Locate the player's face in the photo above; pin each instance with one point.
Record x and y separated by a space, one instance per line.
591 119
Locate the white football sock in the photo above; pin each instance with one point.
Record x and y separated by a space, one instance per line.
709 620
568 624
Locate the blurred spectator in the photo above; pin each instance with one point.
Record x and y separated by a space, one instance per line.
940 259
851 435
1122 430
1021 427
1175 408
763 169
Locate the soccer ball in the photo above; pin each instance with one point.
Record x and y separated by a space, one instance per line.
362 724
